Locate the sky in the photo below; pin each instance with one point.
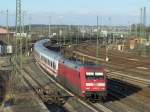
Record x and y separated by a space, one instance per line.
121 12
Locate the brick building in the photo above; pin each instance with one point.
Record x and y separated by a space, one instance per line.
3 34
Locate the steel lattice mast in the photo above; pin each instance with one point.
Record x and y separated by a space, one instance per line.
18 39
18 16
16 60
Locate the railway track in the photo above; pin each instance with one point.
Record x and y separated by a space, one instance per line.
113 55
49 99
121 100
122 95
126 94
117 74
72 98
133 80
92 106
116 97
129 95
118 60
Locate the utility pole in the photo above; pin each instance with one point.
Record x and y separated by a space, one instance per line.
90 32
83 33
141 19
78 39
144 22
22 21
97 45
107 44
49 27
23 31
11 76
42 30
136 30
109 26
7 28
28 35
142 31
69 34
29 25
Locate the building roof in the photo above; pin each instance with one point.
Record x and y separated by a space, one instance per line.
3 31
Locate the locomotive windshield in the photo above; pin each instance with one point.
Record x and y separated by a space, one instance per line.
94 75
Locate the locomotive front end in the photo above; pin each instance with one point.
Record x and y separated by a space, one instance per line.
94 83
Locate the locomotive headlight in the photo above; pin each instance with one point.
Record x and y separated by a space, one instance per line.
101 84
96 84
83 91
87 88
103 88
89 84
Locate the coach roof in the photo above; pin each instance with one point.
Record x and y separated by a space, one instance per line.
39 46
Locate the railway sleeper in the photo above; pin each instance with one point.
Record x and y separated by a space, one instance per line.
53 100
51 96
96 98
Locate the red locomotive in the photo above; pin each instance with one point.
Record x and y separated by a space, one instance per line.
85 80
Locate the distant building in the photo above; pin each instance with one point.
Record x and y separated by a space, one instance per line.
121 47
133 43
3 31
95 30
3 34
22 34
104 33
54 34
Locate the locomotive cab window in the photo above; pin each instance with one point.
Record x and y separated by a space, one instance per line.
99 74
94 75
89 75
